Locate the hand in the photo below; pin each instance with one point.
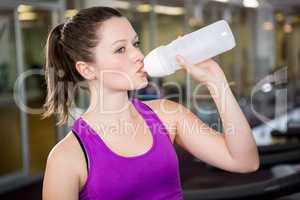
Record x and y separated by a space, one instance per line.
206 72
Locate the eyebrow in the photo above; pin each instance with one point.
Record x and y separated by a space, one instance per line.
136 36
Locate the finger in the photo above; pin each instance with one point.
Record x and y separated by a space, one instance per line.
181 61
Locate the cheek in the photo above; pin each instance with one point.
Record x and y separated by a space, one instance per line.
118 73
122 80
113 78
117 67
115 63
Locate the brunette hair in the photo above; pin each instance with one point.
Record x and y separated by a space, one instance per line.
68 43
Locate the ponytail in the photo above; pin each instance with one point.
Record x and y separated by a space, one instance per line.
60 75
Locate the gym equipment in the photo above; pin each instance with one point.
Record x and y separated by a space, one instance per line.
285 180
276 187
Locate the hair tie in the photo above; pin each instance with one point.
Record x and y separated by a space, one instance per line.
64 26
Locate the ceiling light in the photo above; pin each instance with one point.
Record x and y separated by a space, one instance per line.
160 9
115 4
24 8
250 3
168 10
121 4
223 1
27 16
144 8
70 13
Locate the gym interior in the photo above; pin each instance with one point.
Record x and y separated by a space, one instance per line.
263 70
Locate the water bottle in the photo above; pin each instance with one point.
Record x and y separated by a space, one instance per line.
195 47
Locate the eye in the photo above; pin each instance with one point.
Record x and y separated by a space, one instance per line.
137 44
120 50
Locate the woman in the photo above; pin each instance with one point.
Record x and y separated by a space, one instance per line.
100 158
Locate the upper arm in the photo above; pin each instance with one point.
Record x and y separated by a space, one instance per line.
202 141
61 180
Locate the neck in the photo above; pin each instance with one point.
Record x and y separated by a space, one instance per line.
109 106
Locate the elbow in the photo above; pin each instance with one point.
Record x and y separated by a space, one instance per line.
248 164
255 164
254 167
250 167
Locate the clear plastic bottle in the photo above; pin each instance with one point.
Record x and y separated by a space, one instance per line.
195 47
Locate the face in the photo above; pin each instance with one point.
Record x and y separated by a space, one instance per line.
118 58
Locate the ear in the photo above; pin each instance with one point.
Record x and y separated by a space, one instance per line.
85 70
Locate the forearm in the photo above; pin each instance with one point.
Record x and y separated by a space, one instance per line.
237 132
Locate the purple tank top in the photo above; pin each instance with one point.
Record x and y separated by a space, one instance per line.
152 175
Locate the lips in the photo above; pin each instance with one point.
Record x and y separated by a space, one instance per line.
141 73
141 69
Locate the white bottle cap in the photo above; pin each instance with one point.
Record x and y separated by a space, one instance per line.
154 66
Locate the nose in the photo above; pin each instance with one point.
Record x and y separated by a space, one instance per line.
138 56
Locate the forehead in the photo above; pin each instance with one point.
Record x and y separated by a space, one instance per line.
116 28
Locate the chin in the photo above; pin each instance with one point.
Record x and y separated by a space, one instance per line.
142 84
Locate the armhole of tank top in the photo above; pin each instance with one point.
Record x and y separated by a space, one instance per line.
83 149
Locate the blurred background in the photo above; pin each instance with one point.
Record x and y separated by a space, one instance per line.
263 71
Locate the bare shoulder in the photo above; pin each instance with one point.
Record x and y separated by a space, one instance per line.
65 154
168 112
63 167
169 109
67 149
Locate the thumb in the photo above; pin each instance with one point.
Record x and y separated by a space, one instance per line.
181 61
